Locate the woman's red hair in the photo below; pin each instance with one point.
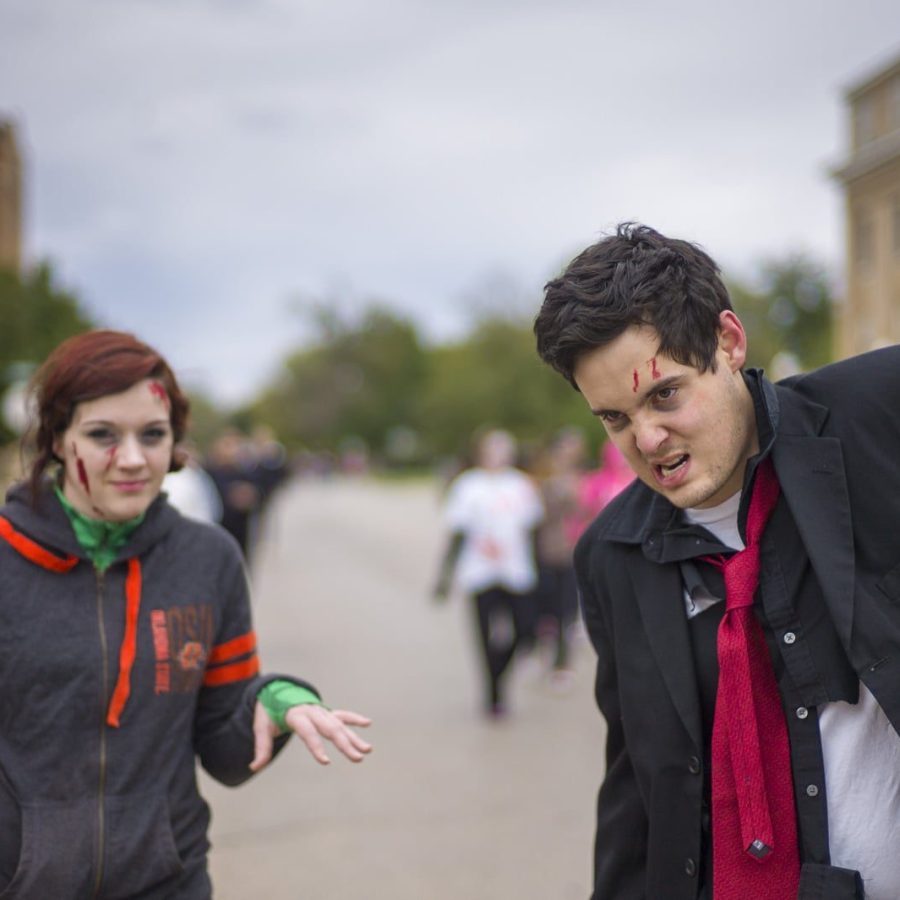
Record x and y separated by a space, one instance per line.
89 366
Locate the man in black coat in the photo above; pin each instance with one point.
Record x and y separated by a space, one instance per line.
642 326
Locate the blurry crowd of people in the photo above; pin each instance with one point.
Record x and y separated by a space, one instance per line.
512 525
233 484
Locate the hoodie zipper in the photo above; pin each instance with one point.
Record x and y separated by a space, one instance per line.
101 784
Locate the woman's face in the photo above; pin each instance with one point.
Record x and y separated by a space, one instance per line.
116 452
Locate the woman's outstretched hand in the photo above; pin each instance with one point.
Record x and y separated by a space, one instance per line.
311 723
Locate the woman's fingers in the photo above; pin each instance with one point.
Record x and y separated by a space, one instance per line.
352 718
301 721
347 740
312 723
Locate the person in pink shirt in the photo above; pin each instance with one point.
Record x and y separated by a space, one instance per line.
597 488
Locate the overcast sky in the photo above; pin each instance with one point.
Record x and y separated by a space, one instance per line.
194 166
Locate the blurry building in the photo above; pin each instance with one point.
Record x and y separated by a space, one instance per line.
871 178
10 198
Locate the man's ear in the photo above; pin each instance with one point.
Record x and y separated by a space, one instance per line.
732 340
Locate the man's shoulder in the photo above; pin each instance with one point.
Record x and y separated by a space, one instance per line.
846 396
865 375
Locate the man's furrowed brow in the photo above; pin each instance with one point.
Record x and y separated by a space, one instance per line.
647 394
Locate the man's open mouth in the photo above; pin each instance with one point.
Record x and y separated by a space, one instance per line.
671 468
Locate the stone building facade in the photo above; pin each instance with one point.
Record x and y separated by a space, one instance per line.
870 317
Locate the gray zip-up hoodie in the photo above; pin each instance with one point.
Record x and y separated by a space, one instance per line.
113 684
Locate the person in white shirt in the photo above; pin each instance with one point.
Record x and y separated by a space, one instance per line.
491 512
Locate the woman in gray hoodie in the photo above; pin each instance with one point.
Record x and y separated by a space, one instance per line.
127 650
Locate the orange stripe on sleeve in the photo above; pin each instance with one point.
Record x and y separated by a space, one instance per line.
230 649
235 672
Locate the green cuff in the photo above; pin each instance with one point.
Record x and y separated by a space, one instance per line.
277 697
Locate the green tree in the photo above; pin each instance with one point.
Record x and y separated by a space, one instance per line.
494 377
370 377
36 316
361 378
789 311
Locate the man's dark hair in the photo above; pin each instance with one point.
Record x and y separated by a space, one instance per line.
634 277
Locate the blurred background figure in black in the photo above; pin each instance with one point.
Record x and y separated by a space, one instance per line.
559 471
268 460
230 465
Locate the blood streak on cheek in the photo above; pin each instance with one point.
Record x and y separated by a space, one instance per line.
158 391
110 457
636 381
82 471
653 370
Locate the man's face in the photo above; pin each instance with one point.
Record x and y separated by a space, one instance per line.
685 434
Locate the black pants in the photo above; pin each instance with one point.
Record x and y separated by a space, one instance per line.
505 621
558 603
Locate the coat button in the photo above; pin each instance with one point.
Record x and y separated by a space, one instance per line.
802 712
694 765
790 637
690 868
812 791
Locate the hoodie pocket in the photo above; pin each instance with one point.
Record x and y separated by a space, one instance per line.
58 852
140 846
55 856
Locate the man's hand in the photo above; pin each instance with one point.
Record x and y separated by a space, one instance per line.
311 723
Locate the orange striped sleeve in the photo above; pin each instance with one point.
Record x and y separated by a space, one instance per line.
238 646
239 671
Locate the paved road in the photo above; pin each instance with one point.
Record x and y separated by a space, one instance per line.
448 805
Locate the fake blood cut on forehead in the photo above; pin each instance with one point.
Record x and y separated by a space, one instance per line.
654 373
159 391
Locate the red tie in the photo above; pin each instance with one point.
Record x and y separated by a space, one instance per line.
755 853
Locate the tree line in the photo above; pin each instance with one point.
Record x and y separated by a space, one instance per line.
374 377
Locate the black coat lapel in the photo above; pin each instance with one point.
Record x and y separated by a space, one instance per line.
811 473
659 592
